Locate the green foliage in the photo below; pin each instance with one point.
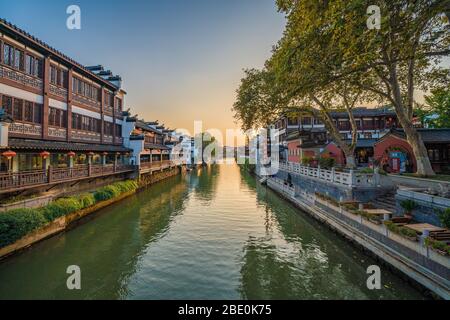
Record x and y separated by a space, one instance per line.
436 112
86 200
400 230
106 193
249 167
408 232
326 163
438 245
349 206
444 217
17 223
307 161
328 59
60 207
114 190
408 205
126 186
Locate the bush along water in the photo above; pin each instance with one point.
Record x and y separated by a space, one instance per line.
17 223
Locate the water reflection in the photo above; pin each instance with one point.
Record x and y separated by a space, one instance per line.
203 180
298 258
212 234
107 249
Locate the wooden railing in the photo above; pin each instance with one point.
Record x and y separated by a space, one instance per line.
156 164
27 179
351 178
20 77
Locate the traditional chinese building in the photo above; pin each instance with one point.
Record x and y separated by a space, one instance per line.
147 142
394 154
306 136
62 121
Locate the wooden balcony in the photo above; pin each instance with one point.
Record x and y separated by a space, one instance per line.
156 165
16 181
20 78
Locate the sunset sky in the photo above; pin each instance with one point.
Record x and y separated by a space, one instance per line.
181 60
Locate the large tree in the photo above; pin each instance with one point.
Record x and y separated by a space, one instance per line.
435 113
389 63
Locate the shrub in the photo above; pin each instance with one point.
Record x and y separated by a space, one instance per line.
444 217
113 190
106 193
126 186
60 207
326 163
307 161
366 170
438 245
408 232
86 200
15 224
408 205
349 206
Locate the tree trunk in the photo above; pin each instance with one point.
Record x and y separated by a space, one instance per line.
350 161
405 118
349 153
424 167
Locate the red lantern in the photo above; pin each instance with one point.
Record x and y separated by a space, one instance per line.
91 153
105 153
9 154
44 154
71 154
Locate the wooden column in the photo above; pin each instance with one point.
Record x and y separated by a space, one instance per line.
46 88
1 50
69 104
114 117
102 107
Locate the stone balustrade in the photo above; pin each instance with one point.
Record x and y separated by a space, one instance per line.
350 179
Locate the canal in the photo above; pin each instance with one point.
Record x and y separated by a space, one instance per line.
214 233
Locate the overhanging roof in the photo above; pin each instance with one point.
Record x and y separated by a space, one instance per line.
28 144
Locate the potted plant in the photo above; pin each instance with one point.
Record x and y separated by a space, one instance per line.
408 206
444 217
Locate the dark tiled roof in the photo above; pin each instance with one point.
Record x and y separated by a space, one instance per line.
27 144
364 143
137 137
7 25
428 135
365 112
142 125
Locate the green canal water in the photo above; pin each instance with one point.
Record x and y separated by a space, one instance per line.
213 234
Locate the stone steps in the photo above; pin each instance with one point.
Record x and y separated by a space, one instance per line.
386 202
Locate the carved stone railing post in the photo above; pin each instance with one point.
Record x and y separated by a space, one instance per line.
351 177
333 172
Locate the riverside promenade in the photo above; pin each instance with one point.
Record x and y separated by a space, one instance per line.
409 256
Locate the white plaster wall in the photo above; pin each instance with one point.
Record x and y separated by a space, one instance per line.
22 94
57 104
85 112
